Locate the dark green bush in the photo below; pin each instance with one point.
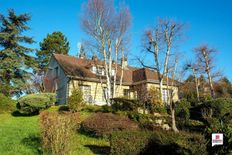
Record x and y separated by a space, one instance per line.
182 111
125 104
6 104
212 108
128 142
63 108
220 125
158 142
33 103
103 124
157 108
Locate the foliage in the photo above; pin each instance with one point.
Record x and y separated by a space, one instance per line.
53 43
154 103
223 88
125 104
15 59
57 131
158 142
182 110
220 125
6 104
76 101
220 106
128 142
103 124
33 103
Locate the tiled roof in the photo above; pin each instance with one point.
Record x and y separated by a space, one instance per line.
80 68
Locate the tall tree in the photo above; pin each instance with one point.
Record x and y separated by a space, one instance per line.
15 58
107 29
205 58
53 43
158 42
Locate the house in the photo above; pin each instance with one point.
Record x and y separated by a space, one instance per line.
66 73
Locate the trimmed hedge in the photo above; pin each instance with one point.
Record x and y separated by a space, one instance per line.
103 124
125 104
33 103
128 142
219 107
159 142
6 104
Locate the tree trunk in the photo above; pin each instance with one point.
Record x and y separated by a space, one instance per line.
174 128
196 85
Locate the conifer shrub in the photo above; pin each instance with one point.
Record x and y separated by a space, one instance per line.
76 101
125 104
57 131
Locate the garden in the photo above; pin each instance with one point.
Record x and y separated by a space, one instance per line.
39 127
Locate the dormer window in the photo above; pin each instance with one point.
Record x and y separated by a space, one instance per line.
113 72
99 71
94 69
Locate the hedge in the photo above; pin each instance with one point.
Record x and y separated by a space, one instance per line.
33 103
158 142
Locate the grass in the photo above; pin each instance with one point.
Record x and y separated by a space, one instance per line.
21 136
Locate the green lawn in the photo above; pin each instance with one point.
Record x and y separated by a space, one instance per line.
20 136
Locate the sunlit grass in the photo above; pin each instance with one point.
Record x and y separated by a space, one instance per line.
21 136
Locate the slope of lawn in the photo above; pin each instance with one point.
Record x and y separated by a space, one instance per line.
20 136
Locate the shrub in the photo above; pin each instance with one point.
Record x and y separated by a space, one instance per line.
103 124
158 142
33 103
124 104
182 110
128 142
63 108
57 131
76 101
6 104
220 125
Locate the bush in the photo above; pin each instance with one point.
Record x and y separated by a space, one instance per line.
103 124
6 104
128 142
63 108
220 125
33 103
158 142
212 108
57 131
182 110
76 101
124 104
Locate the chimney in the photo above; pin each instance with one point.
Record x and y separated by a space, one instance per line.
124 62
94 57
82 52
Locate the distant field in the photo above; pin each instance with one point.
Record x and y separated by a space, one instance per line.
20 136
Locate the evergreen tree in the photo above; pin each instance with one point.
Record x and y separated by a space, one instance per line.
53 43
15 58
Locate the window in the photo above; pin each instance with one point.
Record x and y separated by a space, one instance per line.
56 71
99 71
94 69
165 95
126 92
113 72
86 90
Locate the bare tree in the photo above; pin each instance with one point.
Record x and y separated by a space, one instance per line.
194 68
107 29
173 72
158 42
205 58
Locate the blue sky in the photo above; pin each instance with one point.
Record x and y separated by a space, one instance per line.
208 21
